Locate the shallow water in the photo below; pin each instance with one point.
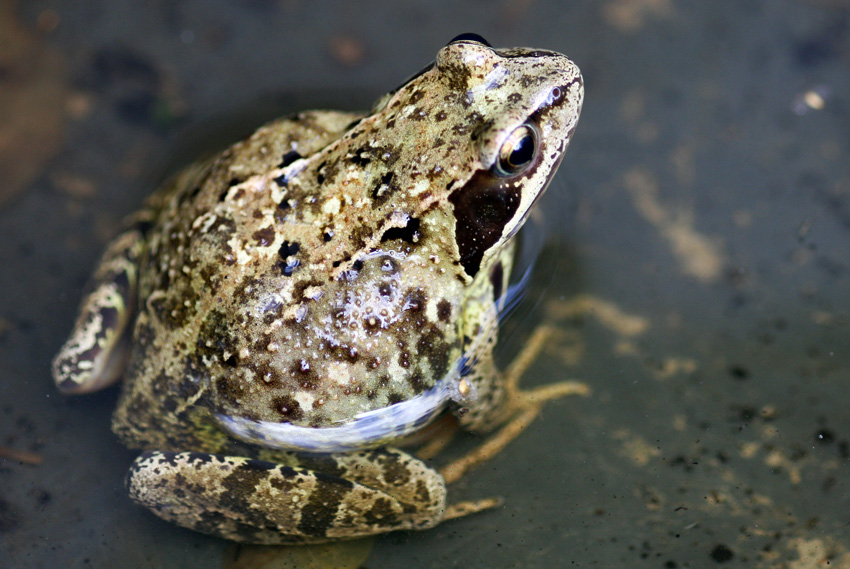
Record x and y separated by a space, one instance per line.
698 268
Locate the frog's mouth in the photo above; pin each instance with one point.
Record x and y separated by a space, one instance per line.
368 429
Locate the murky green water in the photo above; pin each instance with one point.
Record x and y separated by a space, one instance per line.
699 272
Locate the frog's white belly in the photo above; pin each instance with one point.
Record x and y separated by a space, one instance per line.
368 429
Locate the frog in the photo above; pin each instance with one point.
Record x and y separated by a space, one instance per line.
281 315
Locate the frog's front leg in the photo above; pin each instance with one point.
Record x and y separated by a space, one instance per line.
95 354
516 409
295 498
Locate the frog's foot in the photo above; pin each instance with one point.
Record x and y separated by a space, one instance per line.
96 352
290 500
522 407
461 509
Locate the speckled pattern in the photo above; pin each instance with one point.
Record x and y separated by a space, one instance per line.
304 499
331 267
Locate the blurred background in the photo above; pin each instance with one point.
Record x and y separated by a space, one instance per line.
698 265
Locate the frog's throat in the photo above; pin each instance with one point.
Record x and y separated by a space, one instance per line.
369 429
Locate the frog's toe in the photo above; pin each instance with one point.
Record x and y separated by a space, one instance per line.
254 501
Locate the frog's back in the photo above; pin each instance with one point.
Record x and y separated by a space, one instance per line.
261 306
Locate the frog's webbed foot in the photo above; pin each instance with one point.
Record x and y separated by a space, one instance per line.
95 354
521 407
519 400
295 499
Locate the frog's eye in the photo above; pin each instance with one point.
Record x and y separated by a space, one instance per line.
469 38
517 152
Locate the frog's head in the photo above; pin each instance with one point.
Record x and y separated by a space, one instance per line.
528 101
499 122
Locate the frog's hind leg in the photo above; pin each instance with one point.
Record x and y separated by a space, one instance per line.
295 498
95 354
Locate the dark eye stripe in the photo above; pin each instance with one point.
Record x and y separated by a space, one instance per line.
482 209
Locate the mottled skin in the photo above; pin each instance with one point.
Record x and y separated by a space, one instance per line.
331 265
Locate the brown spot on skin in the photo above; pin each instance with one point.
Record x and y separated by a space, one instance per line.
433 346
361 158
385 289
458 77
304 373
321 463
479 127
404 359
264 237
418 114
394 470
215 335
497 278
188 389
344 353
422 494
301 286
371 324
444 311
283 485
240 491
288 408
321 508
417 383
381 514
228 390
174 309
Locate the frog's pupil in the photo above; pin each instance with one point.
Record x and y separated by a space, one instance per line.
522 152
517 151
